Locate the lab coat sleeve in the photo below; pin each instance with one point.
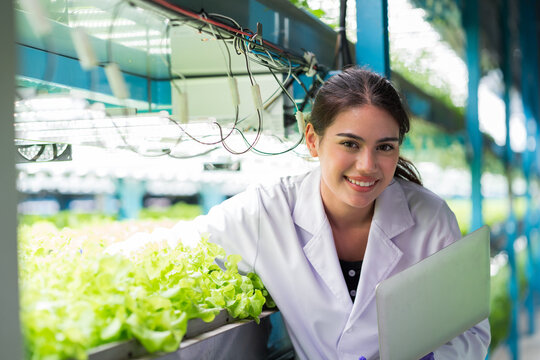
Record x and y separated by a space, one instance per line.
471 345
233 224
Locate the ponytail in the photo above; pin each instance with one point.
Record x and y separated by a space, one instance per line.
406 170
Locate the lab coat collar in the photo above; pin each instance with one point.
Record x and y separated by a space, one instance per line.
309 211
392 214
392 217
320 249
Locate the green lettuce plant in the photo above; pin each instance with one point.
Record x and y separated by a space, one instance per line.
75 296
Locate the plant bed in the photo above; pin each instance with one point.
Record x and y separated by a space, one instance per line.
224 338
76 297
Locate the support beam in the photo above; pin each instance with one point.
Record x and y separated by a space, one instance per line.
372 35
33 64
511 222
210 194
529 92
10 333
130 192
474 145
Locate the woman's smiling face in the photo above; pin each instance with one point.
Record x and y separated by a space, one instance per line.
358 156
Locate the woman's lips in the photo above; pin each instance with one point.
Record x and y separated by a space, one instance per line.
361 182
363 185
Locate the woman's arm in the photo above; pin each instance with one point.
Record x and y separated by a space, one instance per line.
471 345
233 225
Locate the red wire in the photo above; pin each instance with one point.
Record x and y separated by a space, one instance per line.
193 15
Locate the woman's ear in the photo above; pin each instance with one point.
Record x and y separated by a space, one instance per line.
312 140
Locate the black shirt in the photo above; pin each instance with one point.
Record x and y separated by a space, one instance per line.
351 273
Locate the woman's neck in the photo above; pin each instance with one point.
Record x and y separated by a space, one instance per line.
348 217
350 230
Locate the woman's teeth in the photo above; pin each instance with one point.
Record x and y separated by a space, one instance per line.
361 183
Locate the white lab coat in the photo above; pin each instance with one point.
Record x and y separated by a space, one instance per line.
283 234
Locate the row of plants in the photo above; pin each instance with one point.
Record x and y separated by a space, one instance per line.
75 295
74 219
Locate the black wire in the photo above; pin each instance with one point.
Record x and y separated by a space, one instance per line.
114 16
282 87
131 147
259 115
250 74
311 93
286 84
50 63
257 137
241 48
344 53
233 23
222 139
237 110
260 152
285 54
302 84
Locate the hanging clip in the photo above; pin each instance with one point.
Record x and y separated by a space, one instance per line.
37 17
312 63
233 85
257 36
257 98
300 121
116 81
83 48
259 31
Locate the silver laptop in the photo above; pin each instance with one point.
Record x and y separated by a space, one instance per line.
435 300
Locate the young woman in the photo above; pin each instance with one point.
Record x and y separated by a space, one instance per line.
322 241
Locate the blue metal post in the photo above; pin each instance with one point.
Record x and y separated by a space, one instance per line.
513 288
470 23
529 93
511 223
372 35
130 193
210 195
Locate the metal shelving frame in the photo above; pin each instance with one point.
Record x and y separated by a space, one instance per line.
10 335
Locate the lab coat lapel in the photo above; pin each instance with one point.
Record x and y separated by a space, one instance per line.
320 250
391 218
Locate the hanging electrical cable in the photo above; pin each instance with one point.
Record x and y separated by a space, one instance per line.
254 49
343 56
241 33
230 75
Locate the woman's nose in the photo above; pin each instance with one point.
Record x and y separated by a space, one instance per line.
366 161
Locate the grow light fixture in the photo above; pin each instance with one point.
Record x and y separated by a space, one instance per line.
43 152
222 166
222 163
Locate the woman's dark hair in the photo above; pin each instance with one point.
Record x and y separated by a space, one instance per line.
357 87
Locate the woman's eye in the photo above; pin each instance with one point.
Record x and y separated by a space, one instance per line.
386 147
349 144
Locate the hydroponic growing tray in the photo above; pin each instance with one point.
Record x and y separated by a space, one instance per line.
223 338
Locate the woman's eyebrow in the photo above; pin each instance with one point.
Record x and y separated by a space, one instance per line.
359 138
